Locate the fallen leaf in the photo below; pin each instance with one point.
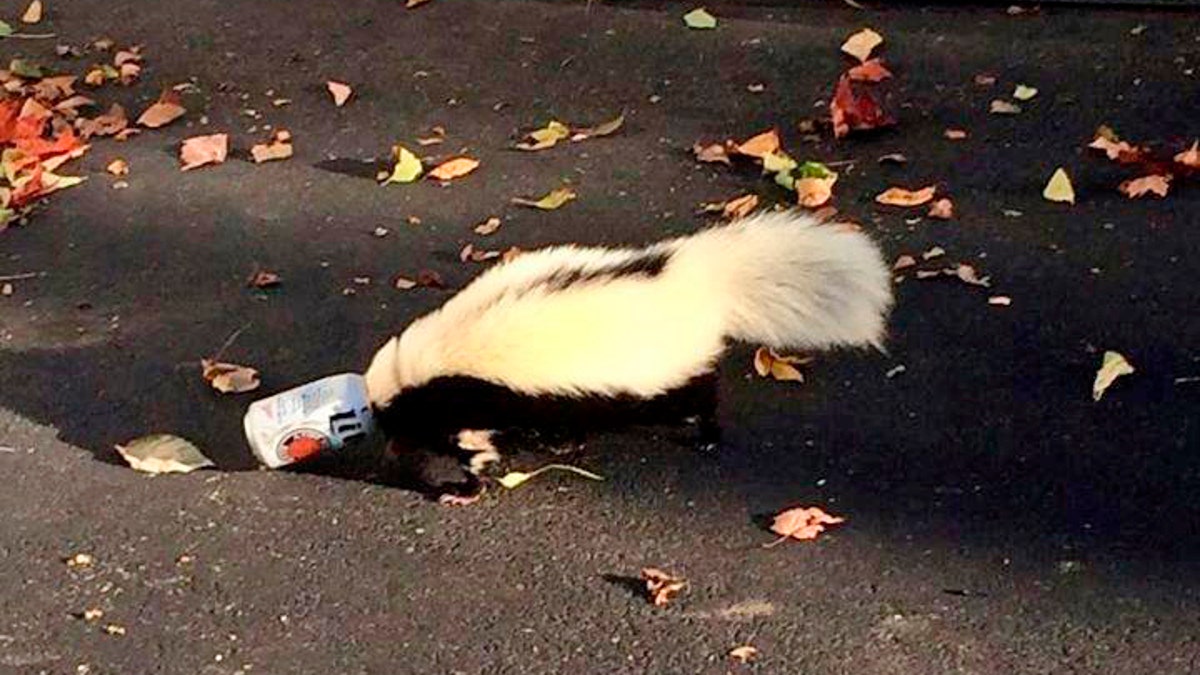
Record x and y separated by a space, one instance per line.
955 134
700 19
514 479
408 168
968 275
476 440
118 167
92 614
934 252
778 162
409 4
112 122
81 560
740 207
114 629
6 289
1190 157
1059 189
871 70
33 13
603 129
546 137
404 283
744 654
469 252
454 168
894 158
554 199
814 192
895 196
279 147
1139 187
711 153
1000 300
229 378
766 143
163 453
942 209
861 44
166 110
1002 107
662 586
340 92
783 368
487 227
1112 147
69 107
430 279
1113 366
199 151
1024 93
756 88
985 80
264 279
904 262
803 523
850 111
6 29
131 55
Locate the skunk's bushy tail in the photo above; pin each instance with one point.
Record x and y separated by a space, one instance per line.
790 282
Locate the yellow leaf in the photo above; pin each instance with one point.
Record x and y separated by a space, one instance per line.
33 13
1059 189
554 199
1113 366
454 168
700 19
861 44
546 137
1024 93
514 479
408 168
603 129
783 368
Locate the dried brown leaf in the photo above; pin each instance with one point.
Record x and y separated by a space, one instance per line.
199 151
662 586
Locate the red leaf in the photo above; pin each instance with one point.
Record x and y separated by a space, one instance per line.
853 112
871 70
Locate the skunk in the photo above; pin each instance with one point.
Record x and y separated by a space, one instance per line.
583 337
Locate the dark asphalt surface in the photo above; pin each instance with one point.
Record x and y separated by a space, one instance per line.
999 521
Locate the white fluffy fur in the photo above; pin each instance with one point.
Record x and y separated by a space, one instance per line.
776 278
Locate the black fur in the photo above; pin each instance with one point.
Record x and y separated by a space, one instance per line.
427 418
647 264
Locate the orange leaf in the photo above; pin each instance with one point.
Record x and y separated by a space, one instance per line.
201 150
740 207
815 192
454 168
955 134
1114 149
851 111
871 70
340 92
1153 184
942 209
766 143
279 147
661 586
895 196
118 167
1190 157
166 110
802 523
783 368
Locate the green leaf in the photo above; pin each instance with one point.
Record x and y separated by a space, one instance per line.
163 453
5 29
700 19
26 69
515 479
815 170
408 167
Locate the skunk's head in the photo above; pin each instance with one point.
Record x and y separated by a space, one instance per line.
401 365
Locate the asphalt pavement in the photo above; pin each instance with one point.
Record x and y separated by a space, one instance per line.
998 519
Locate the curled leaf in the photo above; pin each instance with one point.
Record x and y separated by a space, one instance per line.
803 523
662 586
546 137
229 378
740 207
1190 157
1113 365
896 196
603 129
783 368
552 200
407 169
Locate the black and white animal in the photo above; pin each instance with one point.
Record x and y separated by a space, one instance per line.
582 337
